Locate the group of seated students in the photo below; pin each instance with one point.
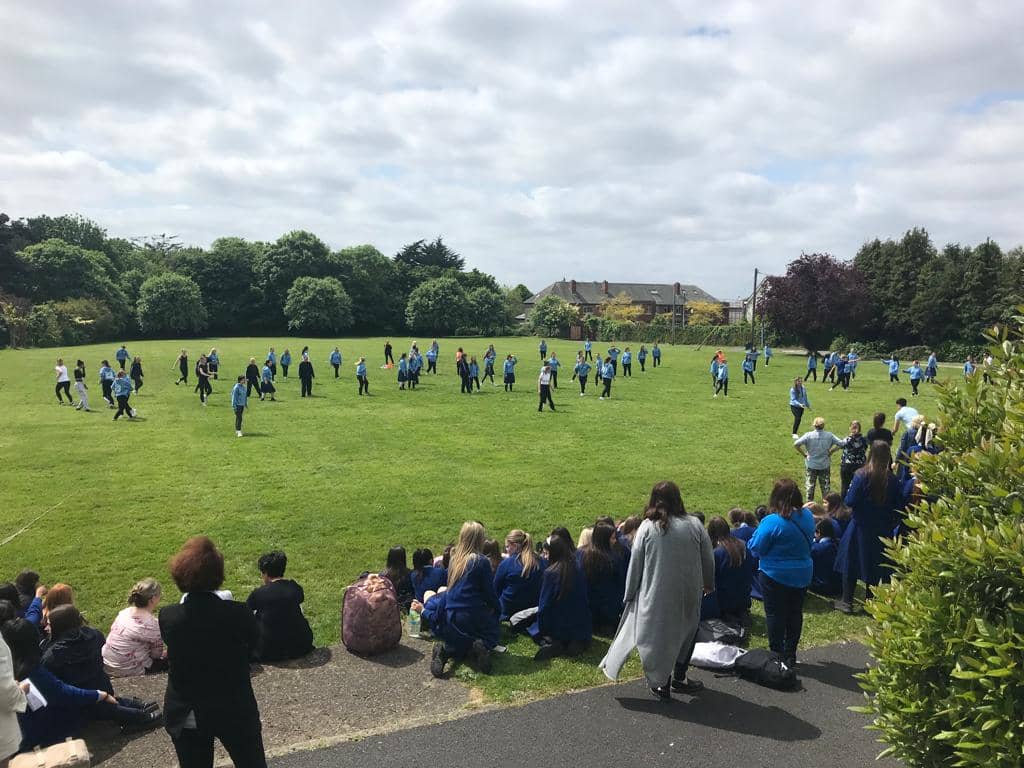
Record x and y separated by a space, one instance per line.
70 665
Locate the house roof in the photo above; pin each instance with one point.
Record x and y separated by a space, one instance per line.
593 292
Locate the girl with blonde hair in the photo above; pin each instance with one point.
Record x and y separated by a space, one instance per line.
518 579
134 646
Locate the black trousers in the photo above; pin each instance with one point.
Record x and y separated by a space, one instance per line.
627 369
250 385
829 375
784 616
431 366
65 387
284 370
657 361
467 385
607 391
642 360
239 411
583 384
475 380
587 355
388 357
489 374
138 384
364 385
846 472
811 372
915 383
214 369
122 362
123 407
751 375
242 738
336 367
894 377
798 414
106 385
722 384
554 378
615 367
307 387
545 397
205 388
184 375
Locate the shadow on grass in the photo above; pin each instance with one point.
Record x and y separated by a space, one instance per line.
725 712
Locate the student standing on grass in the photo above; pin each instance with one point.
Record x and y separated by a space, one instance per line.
855 455
986 367
851 364
607 374
931 368
894 368
627 362
748 370
272 362
489 356
543 347
587 354
582 370
510 372
767 355
812 366
403 370
415 364
122 390
239 402
389 358
364 383
203 375
613 353
544 389
106 382
136 373
63 382
969 368
817 447
782 543
432 354
306 376
641 357
252 378
554 364
714 370
916 374
842 378
829 371
121 355
83 391
213 363
798 403
474 372
655 355
335 360
286 360
462 366
267 385
723 378
878 430
182 368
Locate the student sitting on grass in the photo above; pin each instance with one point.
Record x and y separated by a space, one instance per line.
564 625
492 550
518 578
742 527
838 512
734 574
425 576
134 646
825 580
628 528
470 622
284 631
620 544
397 571
26 583
605 575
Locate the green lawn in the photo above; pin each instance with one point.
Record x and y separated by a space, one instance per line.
336 480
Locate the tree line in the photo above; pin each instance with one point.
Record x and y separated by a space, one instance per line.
64 281
897 293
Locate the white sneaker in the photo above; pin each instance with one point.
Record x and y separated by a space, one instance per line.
600 398
238 433
204 403
134 413
796 436
715 395
582 393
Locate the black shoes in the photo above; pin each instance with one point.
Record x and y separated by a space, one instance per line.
547 651
482 656
147 720
662 692
437 660
686 685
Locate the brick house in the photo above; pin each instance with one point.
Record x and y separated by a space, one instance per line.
654 298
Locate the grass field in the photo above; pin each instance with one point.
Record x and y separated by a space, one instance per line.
338 479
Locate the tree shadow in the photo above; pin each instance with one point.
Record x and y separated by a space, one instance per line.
832 673
723 711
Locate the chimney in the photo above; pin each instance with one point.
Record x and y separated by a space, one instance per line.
677 288
604 287
572 287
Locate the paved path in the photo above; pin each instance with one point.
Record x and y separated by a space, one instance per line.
733 724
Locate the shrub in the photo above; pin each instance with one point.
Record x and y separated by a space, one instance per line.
85 321
170 304
318 305
948 689
957 351
916 352
43 327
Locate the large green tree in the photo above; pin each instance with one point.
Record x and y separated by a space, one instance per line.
170 305
486 311
436 306
54 269
371 280
432 255
226 279
552 316
296 254
318 305
892 270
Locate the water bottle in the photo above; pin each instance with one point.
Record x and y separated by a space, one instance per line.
414 623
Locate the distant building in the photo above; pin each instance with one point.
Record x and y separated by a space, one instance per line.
653 298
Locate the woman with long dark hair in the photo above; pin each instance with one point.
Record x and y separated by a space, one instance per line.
876 498
397 572
734 573
670 566
563 625
605 572
782 544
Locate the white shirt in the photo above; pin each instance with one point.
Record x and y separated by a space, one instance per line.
906 414
62 372
545 377
12 701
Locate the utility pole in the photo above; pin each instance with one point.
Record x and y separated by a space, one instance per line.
753 309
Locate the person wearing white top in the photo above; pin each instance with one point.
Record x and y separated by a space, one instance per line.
905 415
63 382
12 701
544 388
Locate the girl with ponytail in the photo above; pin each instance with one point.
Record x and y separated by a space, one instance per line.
518 578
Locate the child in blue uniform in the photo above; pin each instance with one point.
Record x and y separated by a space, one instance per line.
723 379
335 360
627 362
122 356
543 347
734 574
641 357
768 354
286 360
607 374
812 366
518 578
825 580
272 363
555 364
122 389
916 374
582 370
715 363
425 577
748 370
605 574
931 368
267 384
474 372
106 382
403 370
239 402
432 354
564 624
656 355
364 383
894 369
489 357
613 355
510 372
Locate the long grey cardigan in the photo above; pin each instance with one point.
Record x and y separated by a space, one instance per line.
667 573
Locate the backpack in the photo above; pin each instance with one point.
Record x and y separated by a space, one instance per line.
766 668
370 620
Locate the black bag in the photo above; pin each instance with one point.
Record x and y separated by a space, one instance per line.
718 631
766 668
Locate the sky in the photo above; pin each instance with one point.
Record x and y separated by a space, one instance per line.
621 141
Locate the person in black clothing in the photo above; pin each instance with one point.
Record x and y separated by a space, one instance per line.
879 430
203 375
306 376
209 643
389 359
252 378
277 605
463 368
398 573
136 374
182 368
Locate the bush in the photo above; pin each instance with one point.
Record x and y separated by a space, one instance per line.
916 352
85 321
866 349
170 304
43 327
957 351
318 305
948 689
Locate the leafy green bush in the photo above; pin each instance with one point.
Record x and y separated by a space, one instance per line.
863 348
948 689
957 351
85 321
913 353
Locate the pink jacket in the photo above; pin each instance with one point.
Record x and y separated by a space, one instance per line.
132 644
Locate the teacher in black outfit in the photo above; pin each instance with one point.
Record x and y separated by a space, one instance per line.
209 642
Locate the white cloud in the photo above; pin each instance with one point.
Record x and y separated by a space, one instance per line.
661 141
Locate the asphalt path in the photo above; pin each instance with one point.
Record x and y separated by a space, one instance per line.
732 724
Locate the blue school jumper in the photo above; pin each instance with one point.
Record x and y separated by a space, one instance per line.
429 581
517 592
605 592
471 609
825 581
361 370
567 620
656 351
335 358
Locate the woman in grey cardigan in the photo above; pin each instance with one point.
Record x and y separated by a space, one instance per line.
672 565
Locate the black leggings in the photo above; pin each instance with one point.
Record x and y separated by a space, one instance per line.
657 361
65 387
123 407
607 391
336 367
239 410
489 374
432 366
138 384
583 384
545 397
307 387
751 375
184 376
587 355
627 369
798 415
241 736
894 377
722 384
284 370
811 372
364 385
205 388
914 383
250 385
106 385
641 360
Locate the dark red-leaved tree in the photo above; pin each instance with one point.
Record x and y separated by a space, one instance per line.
819 298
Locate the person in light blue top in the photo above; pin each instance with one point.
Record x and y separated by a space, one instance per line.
723 379
817 447
894 369
798 403
641 357
782 544
768 354
272 361
969 368
474 372
613 353
829 372
403 370
582 370
432 355
212 363
627 363
106 383
555 364
748 370
122 356
543 347
852 358
415 364
267 381
364 383
916 374
587 354
239 402
335 360
510 372
489 357
715 363
286 360
607 374
931 368
656 355
812 366
122 389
